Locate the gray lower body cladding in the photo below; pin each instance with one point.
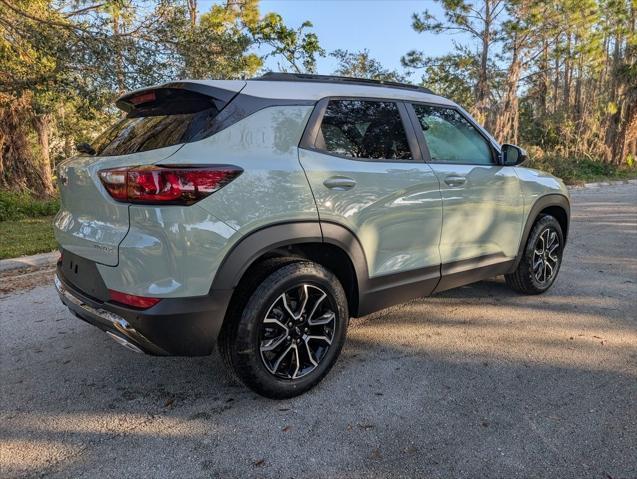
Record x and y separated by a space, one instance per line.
174 326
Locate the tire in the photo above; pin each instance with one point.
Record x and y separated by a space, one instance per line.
260 347
529 280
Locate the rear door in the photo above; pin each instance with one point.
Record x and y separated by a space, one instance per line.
482 200
90 223
367 174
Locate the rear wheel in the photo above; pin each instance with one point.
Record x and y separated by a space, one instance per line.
290 332
541 259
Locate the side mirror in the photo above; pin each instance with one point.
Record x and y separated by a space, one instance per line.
85 148
513 155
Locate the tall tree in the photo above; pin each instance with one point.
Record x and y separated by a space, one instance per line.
360 64
298 47
62 62
479 20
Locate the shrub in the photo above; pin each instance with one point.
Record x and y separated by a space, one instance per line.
16 206
579 170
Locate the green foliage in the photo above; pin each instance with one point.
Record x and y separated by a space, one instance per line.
16 206
64 62
452 76
26 237
561 75
298 47
575 170
361 65
218 44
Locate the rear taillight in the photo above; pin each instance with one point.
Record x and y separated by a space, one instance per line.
139 302
166 185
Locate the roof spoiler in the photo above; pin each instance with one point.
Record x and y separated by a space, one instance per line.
221 91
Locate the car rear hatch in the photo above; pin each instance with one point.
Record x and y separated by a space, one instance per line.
158 122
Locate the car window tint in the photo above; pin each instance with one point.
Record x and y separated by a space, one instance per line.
172 118
450 137
363 129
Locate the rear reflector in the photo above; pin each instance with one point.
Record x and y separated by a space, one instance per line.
143 98
139 302
166 185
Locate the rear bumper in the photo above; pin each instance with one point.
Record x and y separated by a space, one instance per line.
173 327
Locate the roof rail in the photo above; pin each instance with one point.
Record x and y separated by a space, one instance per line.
306 77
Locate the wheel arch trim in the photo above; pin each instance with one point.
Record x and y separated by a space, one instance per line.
373 294
542 203
259 242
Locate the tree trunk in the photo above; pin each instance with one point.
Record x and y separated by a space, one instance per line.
506 125
614 121
544 86
192 12
119 59
482 85
556 81
567 75
42 125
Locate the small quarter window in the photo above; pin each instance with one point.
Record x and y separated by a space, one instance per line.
451 138
363 129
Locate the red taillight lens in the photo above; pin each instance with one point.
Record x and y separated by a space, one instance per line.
166 185
143 98
140 302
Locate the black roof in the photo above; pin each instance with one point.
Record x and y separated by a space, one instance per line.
306 77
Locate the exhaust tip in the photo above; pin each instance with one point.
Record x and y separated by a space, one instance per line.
124 342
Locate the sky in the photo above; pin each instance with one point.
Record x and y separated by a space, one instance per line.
381 26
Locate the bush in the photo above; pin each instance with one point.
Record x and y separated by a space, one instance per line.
580 170
16 206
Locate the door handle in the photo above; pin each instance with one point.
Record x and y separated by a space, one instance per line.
455 180
339 183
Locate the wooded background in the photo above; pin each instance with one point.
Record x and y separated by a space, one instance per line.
559 78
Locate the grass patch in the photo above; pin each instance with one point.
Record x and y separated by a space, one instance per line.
576 171
17 206
26 236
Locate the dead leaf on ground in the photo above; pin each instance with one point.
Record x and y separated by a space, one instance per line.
375 454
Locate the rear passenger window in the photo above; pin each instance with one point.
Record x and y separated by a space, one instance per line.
451 138
363 129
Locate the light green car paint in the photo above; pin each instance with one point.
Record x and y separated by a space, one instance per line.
536 184
273 187
90 223
403 213
394 209
169 252
175 251
482 217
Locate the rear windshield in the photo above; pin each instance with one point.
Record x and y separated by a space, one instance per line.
166 117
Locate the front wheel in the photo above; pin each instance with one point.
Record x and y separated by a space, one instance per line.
541 259
290 331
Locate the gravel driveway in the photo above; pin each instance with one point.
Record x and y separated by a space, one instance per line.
476 382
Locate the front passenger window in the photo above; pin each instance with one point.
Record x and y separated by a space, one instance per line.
363 129
451 138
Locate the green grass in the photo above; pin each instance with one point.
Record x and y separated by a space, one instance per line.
17 206
576 171
26 236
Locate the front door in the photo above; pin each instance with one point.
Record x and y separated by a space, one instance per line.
368 176
483 207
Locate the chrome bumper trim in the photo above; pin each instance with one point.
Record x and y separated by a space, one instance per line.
127 337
